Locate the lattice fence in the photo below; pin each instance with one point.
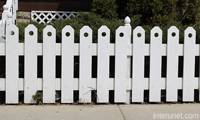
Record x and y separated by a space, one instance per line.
48 16
129 73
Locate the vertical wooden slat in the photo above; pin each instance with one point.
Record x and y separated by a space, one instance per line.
12 63
30 59
189 64
85 65
67 64
49 40
103 65
120 64
138 65
172 64
155 65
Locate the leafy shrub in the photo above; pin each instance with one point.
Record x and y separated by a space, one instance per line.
37 97
161 12
105 8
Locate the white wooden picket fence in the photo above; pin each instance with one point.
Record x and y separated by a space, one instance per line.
122 49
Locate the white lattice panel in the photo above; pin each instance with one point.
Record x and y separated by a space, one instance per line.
48 16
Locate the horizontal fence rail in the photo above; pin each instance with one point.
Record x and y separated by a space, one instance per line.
129 65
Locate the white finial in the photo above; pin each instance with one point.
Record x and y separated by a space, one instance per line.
127 21
5 9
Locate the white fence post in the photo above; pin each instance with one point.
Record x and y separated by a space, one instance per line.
30 67
121 64
127 25
155 65
172 64
138 65
12 63
85 65
67 73
49 40
103 65
189 64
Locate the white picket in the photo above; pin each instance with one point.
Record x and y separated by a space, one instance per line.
85 65
103 65
120 64
12 63
155 65
67 65
30 59
138 65
49 40
172 64
189 64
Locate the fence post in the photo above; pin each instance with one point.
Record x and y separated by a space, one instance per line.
30 60
138 64
12 64
155 65
103 65
85 65
127 25
49 52
189 64
172 64
67 73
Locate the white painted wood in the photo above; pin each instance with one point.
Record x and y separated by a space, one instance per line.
94 49
12 63
155 65
189 64
172 64
103 65
120 64
30 67
127 25
138 65
94 84
85 65
67 65
49 64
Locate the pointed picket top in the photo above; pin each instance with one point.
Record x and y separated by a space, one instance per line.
49 31
31 31
139 32
68 32
121 32
104 31
156 33
86 32
173 32
190 33
12 32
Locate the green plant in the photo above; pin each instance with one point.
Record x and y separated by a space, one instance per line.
160 12
37 97
105 8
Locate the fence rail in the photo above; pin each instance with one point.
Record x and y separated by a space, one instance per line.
122 49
